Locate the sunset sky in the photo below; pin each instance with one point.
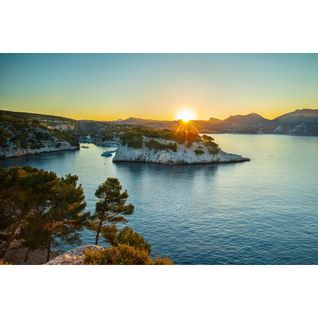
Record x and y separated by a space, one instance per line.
158 86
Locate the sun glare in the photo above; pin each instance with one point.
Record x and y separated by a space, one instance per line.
185 115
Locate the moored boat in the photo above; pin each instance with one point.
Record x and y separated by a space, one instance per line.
107 154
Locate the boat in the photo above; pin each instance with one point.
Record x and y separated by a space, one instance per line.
84 147
107 154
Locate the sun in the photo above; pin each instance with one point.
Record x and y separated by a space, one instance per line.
185 115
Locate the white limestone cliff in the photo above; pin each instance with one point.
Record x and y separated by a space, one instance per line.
183 155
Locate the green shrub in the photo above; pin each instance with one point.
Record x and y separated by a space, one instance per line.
213 151
199 152
212 146
158 133
129 237
206 138
156 145
123 255
21 140
4 135
132 139
68 136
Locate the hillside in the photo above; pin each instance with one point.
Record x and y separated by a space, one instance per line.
251 123
26 133
299 122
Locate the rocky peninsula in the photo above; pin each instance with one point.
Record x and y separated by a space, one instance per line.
25 134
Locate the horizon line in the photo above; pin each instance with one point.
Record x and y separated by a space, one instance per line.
141 118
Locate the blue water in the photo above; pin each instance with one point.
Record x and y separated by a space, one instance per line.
260 212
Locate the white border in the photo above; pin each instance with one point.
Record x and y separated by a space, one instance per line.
158 291
158 26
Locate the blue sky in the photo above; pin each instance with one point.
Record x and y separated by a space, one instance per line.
112 86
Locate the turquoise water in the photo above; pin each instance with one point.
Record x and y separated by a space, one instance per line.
260 212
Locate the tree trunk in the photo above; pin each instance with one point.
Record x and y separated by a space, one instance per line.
48 253
49 243
98 232
26 255
49 248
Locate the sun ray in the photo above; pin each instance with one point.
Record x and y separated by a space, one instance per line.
185 115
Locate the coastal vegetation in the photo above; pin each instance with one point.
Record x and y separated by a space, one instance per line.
133 136
199 151
123 255
157 145
158 139
41 211
210 144
127 248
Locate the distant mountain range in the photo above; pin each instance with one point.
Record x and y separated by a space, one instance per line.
302 122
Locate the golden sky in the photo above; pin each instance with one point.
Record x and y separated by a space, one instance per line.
158 86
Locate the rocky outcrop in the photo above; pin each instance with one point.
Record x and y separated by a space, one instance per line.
195 154
14 151
74 256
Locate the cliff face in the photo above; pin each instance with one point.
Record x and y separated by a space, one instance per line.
194 154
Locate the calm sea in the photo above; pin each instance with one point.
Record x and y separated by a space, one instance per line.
260 212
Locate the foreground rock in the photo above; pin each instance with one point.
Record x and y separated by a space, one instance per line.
74 256
195 154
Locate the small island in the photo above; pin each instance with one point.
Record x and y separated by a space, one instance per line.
182 146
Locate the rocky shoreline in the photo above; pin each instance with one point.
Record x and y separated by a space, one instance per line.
19 152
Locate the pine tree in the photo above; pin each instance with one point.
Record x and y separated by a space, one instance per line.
23 191
111 206
65 216
39 209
